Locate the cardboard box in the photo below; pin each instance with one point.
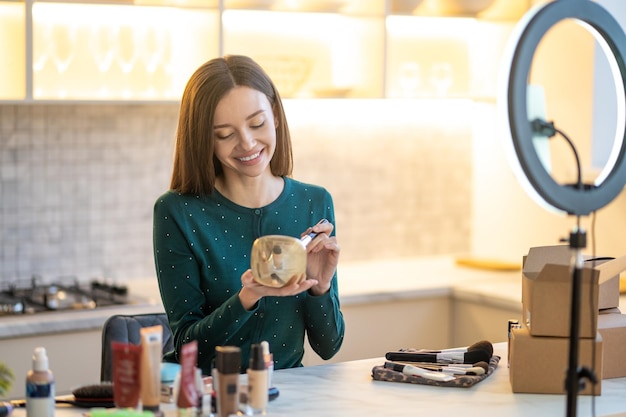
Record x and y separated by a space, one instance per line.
538 364
547 289
612 327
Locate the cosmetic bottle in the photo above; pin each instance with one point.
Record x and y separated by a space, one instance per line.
257 381
227 365
5 409
40 387
269 361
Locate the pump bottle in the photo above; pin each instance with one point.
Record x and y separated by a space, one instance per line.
40 387
257 380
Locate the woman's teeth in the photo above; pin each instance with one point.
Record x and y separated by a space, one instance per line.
250 158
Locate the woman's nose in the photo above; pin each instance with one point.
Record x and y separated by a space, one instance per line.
247 139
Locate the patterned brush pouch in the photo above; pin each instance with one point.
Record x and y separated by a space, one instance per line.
381 373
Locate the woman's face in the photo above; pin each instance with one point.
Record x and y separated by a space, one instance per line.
245 132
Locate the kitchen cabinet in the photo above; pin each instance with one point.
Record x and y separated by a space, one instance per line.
145 50
380 326
74 359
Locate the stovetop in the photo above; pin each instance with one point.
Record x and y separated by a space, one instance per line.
31 296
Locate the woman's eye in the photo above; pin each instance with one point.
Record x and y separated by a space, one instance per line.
258 125
223 136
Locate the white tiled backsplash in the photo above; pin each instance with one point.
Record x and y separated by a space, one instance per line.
78 181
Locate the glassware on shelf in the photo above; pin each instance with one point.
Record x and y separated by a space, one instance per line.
102 45
126 57
441 77
152 42
409 78
62 45
42 32
126 50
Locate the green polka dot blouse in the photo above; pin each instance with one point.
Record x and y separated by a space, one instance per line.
201 249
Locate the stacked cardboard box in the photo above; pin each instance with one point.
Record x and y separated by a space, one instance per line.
539 350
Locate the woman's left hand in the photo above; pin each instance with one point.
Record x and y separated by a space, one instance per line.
322 257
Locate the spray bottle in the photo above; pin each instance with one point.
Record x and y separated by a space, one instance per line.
40 387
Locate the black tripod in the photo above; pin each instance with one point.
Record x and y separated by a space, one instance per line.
575 374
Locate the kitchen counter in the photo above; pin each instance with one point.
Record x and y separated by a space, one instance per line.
359 283
430 303
347 389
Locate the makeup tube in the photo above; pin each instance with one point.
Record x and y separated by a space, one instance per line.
188 392
227 365
151 347
126 374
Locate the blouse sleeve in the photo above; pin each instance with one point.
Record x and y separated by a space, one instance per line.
324 319
179 283
324 322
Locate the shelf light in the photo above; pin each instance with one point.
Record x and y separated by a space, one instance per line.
431 27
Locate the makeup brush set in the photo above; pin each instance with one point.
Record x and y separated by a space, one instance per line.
456 367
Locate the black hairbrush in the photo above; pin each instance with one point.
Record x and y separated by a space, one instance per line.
93 395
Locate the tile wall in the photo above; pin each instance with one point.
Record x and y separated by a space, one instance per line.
77 182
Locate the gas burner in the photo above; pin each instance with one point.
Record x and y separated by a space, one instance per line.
64 293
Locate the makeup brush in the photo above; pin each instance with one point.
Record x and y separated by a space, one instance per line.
480 345
411 370
478 368
468 357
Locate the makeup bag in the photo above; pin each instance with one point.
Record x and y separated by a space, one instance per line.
380 373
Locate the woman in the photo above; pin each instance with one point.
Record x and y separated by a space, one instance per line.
230 185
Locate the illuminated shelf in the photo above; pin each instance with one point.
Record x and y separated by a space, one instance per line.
146 50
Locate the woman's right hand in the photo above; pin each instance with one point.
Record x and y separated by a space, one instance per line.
252 291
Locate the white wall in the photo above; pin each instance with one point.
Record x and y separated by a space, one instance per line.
506 221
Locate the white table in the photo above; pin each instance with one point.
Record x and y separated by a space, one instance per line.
347 389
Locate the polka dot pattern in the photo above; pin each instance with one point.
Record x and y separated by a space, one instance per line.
201 249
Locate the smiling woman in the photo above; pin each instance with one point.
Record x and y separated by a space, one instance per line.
230 185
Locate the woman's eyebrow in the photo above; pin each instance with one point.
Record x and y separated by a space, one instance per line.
247 118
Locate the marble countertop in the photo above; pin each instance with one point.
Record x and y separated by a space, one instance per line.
347 389
359 283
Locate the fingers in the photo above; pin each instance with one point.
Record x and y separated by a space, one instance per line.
323 242
295 288
323 226
296 285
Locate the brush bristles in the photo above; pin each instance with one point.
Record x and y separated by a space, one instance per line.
482 345
103 390
483 365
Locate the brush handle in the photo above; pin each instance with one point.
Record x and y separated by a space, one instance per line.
410 370
306 239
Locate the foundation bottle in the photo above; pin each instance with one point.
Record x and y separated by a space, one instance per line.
227 368
257 381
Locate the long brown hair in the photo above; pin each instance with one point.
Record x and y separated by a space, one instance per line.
195 165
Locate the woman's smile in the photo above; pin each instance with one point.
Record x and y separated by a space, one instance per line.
250 157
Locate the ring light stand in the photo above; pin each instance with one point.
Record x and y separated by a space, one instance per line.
580 200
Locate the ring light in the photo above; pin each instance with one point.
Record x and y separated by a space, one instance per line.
534 26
